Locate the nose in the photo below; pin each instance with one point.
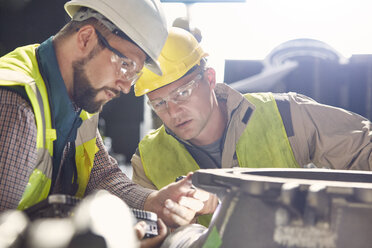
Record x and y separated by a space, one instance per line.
173 109
124 86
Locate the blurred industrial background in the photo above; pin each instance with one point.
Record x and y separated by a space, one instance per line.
300 62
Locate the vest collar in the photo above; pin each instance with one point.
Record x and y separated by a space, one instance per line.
232 98
64 112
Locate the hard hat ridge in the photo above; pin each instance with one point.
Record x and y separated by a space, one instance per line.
85 13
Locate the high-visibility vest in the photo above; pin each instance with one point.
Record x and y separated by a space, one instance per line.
20 68
263 144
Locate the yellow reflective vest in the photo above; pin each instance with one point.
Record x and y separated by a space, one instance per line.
20 68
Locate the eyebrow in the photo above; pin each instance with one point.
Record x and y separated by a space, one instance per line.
176 89
105 42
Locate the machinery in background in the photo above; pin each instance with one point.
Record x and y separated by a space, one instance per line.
309 67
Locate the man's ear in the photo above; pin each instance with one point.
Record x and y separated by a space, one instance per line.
210 74
86 39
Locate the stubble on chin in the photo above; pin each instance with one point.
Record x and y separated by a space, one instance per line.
83 93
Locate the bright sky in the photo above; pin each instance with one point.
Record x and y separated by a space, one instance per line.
252 29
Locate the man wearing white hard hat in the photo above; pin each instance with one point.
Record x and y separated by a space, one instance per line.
50 94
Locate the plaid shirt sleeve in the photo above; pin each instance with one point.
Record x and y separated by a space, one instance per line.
107 175
18 152
18 156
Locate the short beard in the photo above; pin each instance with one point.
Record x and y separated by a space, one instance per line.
83 93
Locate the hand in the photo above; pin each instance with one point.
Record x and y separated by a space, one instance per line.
210 201
140 229
210 205
176 203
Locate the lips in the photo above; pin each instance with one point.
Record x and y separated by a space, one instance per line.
182 124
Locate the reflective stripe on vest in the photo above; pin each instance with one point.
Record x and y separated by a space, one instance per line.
264 143
39 183
86 149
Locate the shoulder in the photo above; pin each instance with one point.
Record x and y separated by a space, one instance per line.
154 134
293 97
14 100
16 120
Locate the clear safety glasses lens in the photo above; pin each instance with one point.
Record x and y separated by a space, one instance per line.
178 96
125 66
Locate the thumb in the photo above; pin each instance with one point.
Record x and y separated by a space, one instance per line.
185 181
140 229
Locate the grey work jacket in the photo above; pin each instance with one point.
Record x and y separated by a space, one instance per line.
325 136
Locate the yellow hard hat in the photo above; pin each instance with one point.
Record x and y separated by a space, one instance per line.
180 53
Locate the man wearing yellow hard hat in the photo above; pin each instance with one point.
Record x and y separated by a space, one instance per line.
209 125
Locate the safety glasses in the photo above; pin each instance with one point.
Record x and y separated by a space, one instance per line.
178 96
124 66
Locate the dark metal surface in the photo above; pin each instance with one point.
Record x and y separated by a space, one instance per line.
290 207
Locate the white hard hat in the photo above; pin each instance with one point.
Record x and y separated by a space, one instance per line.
143 21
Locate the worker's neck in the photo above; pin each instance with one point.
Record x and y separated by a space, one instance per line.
215 126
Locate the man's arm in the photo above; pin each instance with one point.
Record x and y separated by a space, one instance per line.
18 152
328 136
106 174
165 203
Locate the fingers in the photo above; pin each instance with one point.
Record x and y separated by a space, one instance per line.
201 195
210 205
184 186
140 229
187 189
157 240
191 203
196 193
177 203
190 174
162 228
178 214
181 210
210 202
